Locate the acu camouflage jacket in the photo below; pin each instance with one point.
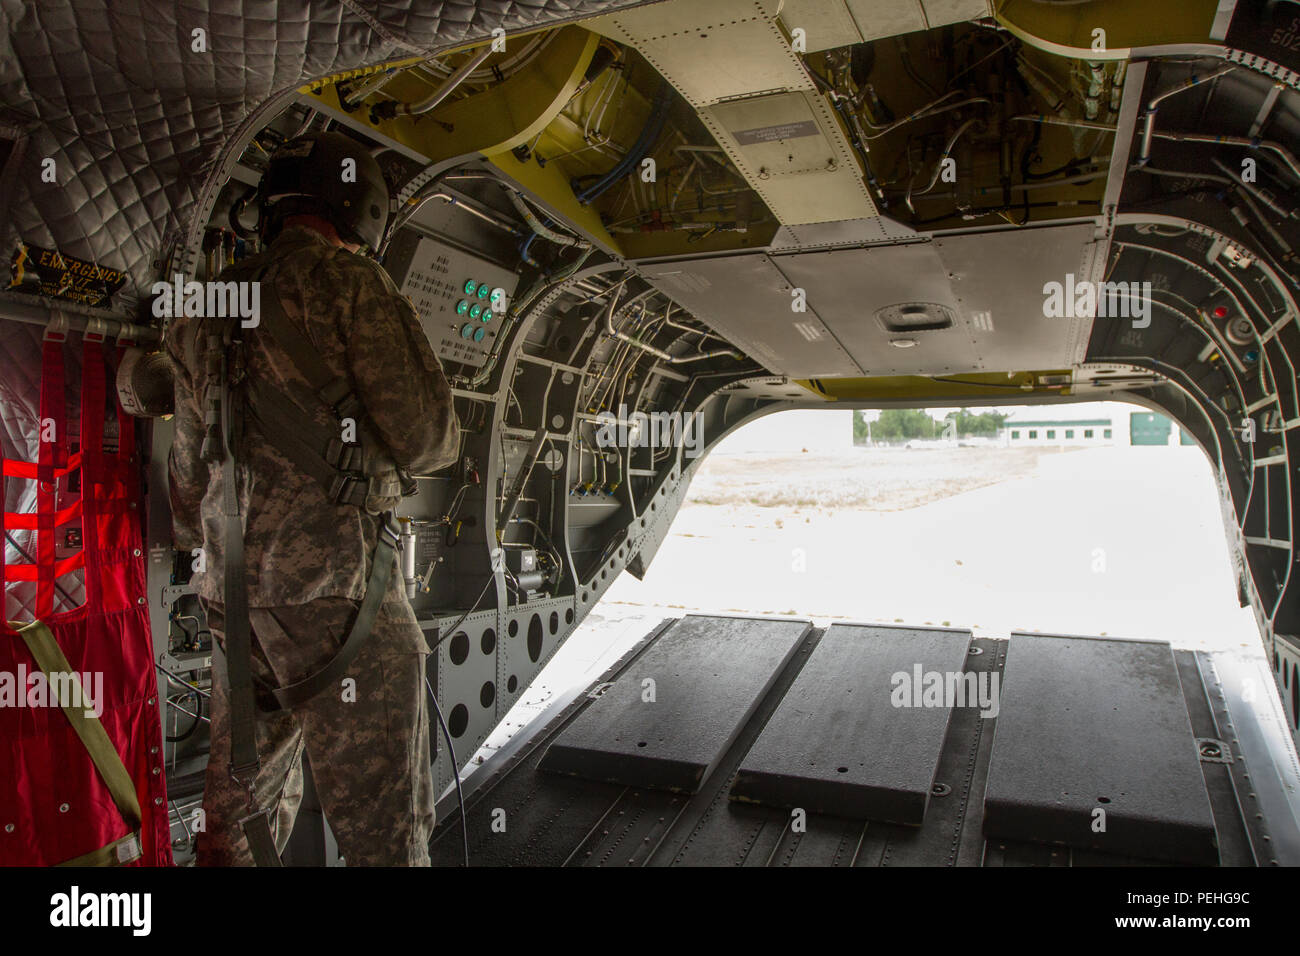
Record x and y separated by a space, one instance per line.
299 545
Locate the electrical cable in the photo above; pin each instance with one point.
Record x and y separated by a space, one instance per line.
461 620
641 148
455 768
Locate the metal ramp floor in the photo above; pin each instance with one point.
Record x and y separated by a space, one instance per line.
731 741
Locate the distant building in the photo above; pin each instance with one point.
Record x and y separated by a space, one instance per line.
1091 423
1084 424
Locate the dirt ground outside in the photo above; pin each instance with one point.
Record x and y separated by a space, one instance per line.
870 479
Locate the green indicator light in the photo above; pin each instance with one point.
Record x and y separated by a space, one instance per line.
470 286
487 315
467 331
462 307
479 333
475 310
483 291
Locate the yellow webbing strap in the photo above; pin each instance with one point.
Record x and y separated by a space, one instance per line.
50 659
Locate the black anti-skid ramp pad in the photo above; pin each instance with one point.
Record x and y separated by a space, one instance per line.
855 735
1093 748
670 717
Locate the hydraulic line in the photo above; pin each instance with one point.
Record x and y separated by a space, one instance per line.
1149 117
498 71
933 109
938 167
1062 121
1247 141
1253 190
445 90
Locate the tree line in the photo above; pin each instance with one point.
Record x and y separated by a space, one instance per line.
902 424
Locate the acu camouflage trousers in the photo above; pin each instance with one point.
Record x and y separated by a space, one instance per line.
368 746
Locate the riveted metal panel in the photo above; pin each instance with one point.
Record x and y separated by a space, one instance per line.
719 55
826 24
749 301
682 39
848 287
804 169
834 23
997 281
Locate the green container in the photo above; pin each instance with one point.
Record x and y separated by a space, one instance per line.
1149 428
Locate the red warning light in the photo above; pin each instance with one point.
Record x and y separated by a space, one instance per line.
1220 311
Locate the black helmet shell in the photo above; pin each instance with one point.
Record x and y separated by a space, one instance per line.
333 173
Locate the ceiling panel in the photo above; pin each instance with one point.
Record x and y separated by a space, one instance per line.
990 285
998 280
848 287
731 62
748 300
834 23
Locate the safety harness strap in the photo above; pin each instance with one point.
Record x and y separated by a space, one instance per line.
298 439
120 852
381 572
344 469
332 389
244 759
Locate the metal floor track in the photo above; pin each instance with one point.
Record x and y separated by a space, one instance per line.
520 815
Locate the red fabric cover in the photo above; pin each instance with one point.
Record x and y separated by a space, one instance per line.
43 764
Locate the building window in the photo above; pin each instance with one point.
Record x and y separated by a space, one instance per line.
1015 434
1087 433
1069 433
1051 433
1033 433
1106 433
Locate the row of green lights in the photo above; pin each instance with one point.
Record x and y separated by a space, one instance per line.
474 311
475 288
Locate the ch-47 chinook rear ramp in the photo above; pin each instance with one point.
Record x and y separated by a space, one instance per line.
630 229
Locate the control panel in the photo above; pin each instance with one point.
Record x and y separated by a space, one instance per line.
460 298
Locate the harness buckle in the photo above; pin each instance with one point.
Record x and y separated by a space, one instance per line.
344 456
388 527
344 487
246 776
347 407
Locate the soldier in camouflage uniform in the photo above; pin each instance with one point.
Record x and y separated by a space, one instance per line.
306 557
